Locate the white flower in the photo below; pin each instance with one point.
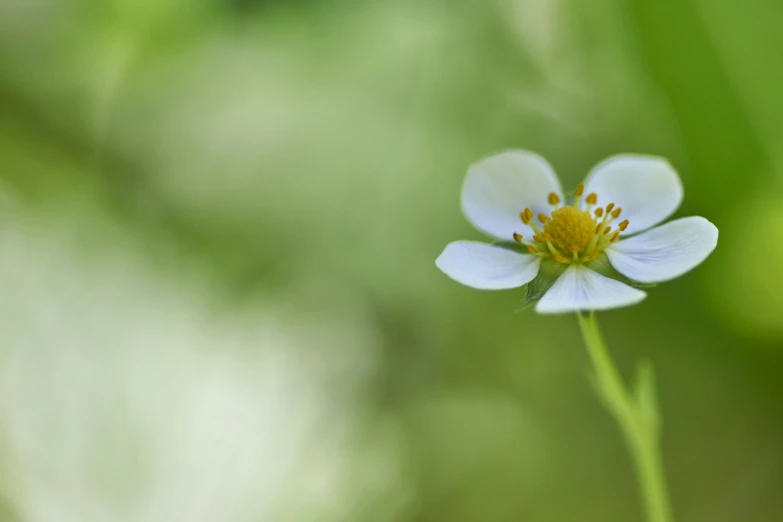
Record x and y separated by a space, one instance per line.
515 195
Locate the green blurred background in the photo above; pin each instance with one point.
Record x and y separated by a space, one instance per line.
218 227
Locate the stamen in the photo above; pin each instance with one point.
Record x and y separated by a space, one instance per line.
592 256
615 237
598 228
535 227
533 250
523 217
549 243
607 218
593 243
609 207
517 237
607 230
592 198
529 214
599 212
543 218
575 250
616 213
560 259
579 191
624 225
553 198
537 239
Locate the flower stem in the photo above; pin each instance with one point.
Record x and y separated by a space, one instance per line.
636 412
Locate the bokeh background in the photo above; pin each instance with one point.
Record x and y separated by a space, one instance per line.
218 227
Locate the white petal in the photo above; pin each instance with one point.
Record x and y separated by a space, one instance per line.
665 252
580 288
499 187
487 267
646 187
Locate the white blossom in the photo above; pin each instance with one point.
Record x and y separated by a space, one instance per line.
516 196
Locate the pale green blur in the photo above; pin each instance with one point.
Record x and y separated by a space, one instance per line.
218 227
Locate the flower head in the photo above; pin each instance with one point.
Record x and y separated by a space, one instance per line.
516 196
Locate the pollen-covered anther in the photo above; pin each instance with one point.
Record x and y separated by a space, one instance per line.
537 239
591 198
517 237
533 250
543 218
592 256
598 228
615 237
553 198
560 259
609 207
622 226
580 190
616 213
599 212
528 214
607 230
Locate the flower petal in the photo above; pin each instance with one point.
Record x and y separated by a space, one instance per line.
487 267
665 252
580 288
646 187
499 187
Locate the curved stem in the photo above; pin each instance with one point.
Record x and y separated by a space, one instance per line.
636 412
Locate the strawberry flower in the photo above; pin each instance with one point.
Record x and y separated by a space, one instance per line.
516 198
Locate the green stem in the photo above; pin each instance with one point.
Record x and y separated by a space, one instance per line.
636 412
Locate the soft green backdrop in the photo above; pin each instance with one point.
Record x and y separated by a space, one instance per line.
218 227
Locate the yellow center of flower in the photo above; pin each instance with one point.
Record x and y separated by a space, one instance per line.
571 229
570 234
